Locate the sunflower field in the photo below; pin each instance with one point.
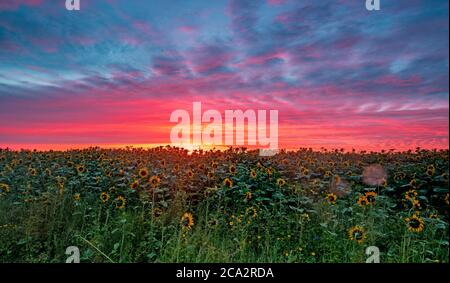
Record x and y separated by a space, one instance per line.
166 204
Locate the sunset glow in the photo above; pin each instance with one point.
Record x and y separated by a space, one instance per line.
112 73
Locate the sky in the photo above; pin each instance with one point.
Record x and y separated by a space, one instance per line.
112 73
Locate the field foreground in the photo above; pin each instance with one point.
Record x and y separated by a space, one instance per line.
169 205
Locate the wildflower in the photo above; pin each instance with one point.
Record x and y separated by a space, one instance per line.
120 202
357 234
187 221
104 197
415 223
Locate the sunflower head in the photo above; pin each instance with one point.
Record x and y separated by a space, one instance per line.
120 202
190 174
33 172
81 169
232 169
371 196
253 173
104 197
281 182
228 183
76 197
134 185
143 172
415 223
210 175
357 234
187 221
214 164
248 195
410 195
154 181
331 198
4 188
363 201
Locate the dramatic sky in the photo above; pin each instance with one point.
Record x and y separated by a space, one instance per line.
112 73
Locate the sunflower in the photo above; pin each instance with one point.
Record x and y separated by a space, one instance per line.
143 172
357 234
232 169
154 181
327 174
104 197
187 221
281 182
157 212
331 198
228 183
269 171
80 169
363 201
190 174
134 185
69 164
413 183
415 223
371 196
120 202
33 172
410 195
4 188
416 204
214 164
210 175
76 197
430 170
253 173
248 195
